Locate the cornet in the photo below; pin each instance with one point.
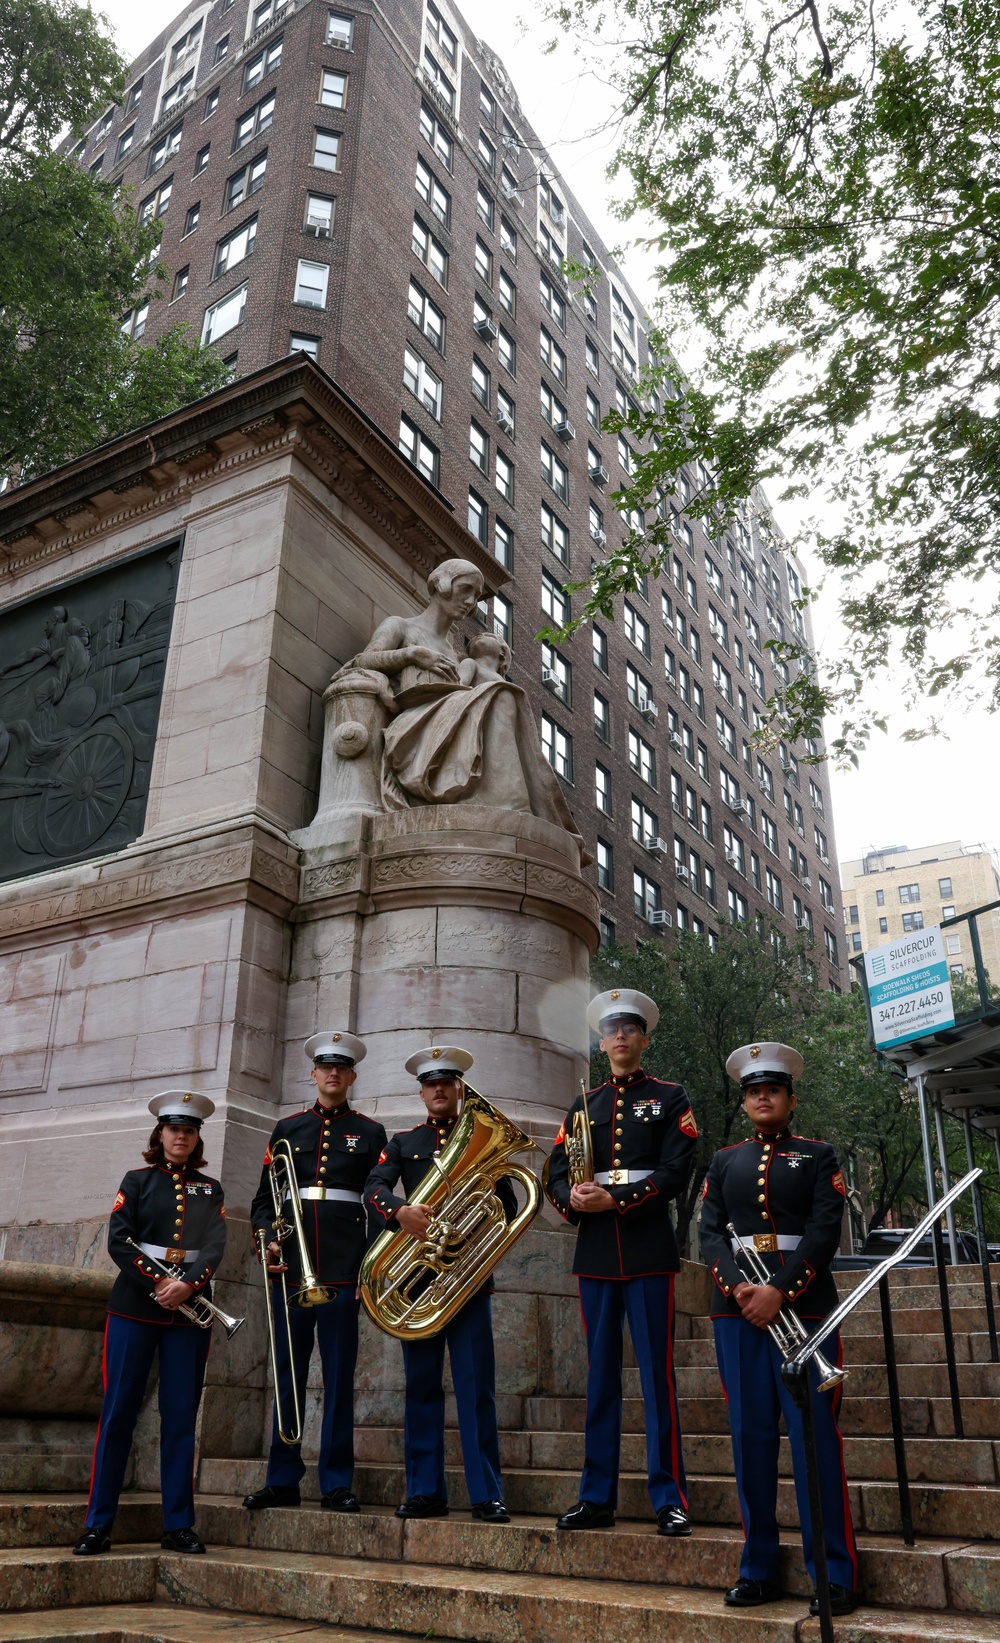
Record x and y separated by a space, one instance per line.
787 1330
199 1309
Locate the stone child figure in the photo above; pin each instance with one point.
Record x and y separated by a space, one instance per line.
461 730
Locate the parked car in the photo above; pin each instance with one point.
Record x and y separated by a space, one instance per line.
884 1241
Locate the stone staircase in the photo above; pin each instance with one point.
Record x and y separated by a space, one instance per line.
309 1574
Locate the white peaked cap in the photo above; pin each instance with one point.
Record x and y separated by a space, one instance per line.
618 1002
439 1060
181 1107
762 1063
340 1048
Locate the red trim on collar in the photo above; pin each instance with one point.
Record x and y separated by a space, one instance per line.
764 1137
330 1112
627 1079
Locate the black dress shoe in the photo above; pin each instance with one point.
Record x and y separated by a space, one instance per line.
91 1542
491 1511
340 1500
422 1506
273 1494
673 1521
746 1594
586 1514
842 1600
181 1540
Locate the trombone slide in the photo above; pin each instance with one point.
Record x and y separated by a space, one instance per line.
786 1330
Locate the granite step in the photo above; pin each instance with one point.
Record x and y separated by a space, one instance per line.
170 1623
935 1460
890 1574
38 1578
922 1417
37 1467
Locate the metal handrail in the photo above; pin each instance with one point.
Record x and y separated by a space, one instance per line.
807 1351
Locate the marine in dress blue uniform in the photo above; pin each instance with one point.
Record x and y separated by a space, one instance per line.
785 1194
469 1335
643 1134
176 1214
333 1148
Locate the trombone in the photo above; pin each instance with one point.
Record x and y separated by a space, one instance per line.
199 1309
786 1330
285 1189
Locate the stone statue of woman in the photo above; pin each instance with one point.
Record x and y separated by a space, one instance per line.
461 730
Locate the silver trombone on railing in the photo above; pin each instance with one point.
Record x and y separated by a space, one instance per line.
786 1329
199 1309
812 1343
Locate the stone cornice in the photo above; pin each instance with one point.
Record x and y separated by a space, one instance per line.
291 406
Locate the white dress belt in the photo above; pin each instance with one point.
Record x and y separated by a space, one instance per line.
340 1195
767 1243
620 1177
174 1256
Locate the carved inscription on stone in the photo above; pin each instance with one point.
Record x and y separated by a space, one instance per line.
467 865
81 674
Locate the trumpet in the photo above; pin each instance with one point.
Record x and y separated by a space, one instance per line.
284 1187
199 1309
787 1330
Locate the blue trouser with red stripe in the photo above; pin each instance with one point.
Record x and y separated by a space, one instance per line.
336 1326
129 1349
469 1339
648 1304
750 1370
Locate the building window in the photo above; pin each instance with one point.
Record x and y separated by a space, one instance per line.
299 344
125 142
642 758
423 384
430 251
645 824
507 291
211 104
246 182
235 247
439 80
424 456
339 30
311 281
487 153
180 283
944 889
552 302
177 92
953 944
503 619
883 926
880 898
957 972
555 473
201 159
909 892
134 323
165 149
602 717
479 447
192 218
602 789
948 912
507 351
636 629
913 921
224 315
264 63
487 104
320 212
437 136
484 262
555 603
134 95
552 355
645 894
326 150
830 942
600 650
333 89
505 477
506 413
185 46
429 319
503 545
257 119
607 927
221 49
605 865
508 239
557 674
478 517
555 534
441 34
558 748
481 382
774 892
432 193
155 205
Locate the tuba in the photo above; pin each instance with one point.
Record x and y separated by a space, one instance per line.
412 1287
284 1189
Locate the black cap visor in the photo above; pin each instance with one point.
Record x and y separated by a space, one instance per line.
761 1075
333 1061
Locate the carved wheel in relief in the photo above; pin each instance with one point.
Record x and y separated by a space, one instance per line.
84 792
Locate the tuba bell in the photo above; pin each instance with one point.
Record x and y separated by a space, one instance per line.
413 1287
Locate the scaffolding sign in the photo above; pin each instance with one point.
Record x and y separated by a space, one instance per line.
909 988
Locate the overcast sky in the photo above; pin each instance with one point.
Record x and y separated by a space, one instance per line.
911 793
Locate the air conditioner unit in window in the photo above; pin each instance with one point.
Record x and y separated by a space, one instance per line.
675 742
599 536
681 873
557 213
511 142
506 422
807 884
659 915
722 740
550 679
648 710
600 476
732 858
487 328
801 924
320 226
565 430
786 767
653 844
736 806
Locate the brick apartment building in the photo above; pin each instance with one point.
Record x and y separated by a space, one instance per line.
358 181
